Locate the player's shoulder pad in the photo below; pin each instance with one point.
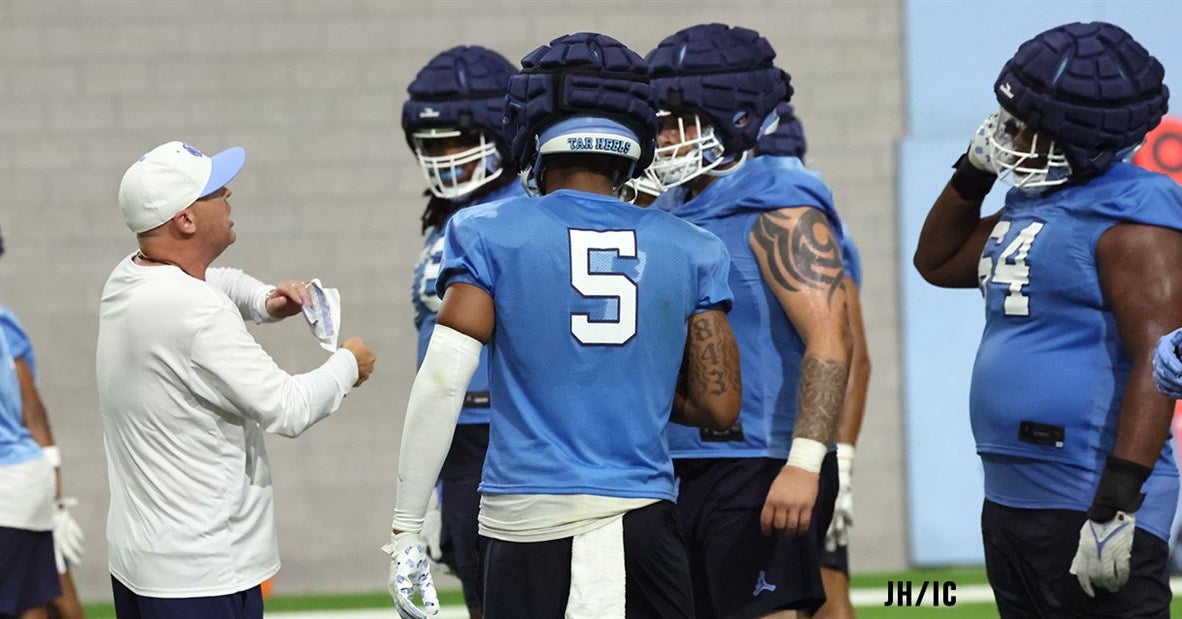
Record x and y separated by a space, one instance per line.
776 182
1132 194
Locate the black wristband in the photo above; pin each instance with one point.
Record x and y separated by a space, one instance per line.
1119 489
972 184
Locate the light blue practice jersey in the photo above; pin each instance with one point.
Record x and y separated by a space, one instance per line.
16 444
426 303
1050 373
593 298
770 349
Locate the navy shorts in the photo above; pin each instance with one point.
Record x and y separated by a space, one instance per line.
1028 553
837 560
535 580
460 505
242 605
737 570
28 573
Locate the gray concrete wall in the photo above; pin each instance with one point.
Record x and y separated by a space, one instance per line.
312 90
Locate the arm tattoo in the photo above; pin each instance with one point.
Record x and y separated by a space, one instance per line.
803 254
822 393
711 358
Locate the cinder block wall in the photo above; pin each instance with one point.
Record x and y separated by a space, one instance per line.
312 90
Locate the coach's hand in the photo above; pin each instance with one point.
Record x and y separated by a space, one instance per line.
288 299
1105 550
410 574
365 358
789 505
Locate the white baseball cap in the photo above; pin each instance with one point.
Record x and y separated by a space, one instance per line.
169 178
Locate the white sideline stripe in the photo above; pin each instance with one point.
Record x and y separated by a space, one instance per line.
965 594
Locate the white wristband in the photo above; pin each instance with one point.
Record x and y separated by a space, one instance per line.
53 455
807 454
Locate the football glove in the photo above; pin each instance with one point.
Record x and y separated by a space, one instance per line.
1105 550
410 573
433 528
1167 367
67 536
843 510
980 153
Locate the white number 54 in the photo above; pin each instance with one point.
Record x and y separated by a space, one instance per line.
1011 268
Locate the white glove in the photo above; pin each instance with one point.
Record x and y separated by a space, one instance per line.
981 148
410 573
1167 368
1105 549
67 536
843 510
433 528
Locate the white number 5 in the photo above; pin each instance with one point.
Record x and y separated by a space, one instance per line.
1015 274
603 286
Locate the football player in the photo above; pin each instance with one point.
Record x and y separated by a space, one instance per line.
1079 271
589 306
788 142
452 122
773 473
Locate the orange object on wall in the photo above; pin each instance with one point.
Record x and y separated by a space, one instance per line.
1162 151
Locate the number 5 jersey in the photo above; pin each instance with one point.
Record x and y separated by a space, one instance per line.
592 297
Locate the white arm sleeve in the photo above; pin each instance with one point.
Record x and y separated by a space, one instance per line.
435 402
237 376
248 293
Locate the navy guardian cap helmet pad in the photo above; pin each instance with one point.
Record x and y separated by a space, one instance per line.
459 94
1090 87
720 80
585 76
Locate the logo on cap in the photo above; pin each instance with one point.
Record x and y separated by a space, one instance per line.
429 112
192 151
1007 90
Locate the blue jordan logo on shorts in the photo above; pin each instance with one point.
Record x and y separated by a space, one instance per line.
761 584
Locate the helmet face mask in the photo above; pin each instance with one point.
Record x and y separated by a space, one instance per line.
454 162
696 151
1026 159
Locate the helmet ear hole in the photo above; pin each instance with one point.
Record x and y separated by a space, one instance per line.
741 118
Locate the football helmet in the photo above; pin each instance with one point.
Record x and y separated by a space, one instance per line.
453 119
717 86
788 138
583 93
1074 100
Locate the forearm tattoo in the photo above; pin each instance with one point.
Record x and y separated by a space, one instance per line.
802 255
822 393
712 359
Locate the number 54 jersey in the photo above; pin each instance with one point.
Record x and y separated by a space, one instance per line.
593 298
1050 372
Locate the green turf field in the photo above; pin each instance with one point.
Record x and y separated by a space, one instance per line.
872 582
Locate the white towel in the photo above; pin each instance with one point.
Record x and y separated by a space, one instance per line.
597 573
